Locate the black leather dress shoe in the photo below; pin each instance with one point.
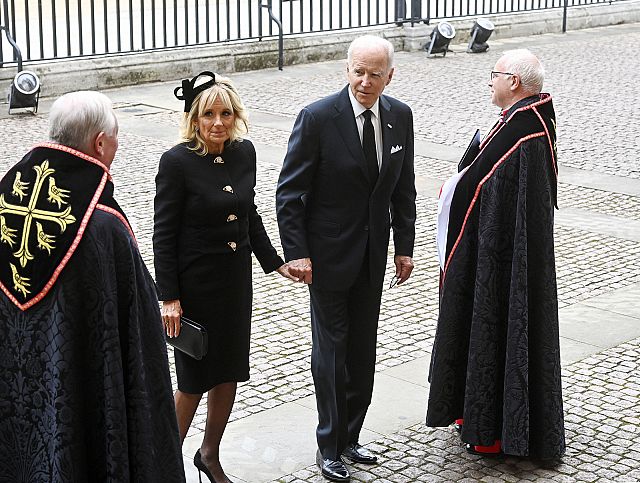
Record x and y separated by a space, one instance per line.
359 454
331 469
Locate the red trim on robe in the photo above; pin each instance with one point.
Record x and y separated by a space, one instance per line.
118 215
553 157
79 154
544 98
76 241
477 193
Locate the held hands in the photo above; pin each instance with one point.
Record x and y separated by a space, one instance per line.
300 270
404 267
171 312
284 271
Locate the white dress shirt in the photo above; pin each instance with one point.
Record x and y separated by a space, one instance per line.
358 109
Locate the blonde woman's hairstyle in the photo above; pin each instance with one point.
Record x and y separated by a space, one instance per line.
224 90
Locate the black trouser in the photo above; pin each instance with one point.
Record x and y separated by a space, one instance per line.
344 326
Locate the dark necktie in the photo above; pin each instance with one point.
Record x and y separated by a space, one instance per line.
369 148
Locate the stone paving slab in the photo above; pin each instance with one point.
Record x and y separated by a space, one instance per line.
599 181
625 227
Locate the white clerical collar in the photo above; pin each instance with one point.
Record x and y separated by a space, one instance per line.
358 108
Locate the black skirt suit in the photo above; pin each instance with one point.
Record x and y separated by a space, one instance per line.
205 227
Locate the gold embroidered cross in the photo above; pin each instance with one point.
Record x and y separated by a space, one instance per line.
30 213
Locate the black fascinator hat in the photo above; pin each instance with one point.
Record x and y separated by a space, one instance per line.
190 90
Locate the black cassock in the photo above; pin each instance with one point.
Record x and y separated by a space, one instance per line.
85 391
496 356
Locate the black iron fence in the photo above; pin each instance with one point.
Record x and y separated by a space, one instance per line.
54 29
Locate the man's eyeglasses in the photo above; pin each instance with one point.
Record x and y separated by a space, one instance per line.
496 73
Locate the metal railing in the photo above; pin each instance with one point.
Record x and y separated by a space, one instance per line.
54 29
467 8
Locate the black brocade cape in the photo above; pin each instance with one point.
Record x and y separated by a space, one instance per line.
496 355
85 391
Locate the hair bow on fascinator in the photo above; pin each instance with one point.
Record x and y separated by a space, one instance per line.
190 90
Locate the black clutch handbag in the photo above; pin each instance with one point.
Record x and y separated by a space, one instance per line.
192 340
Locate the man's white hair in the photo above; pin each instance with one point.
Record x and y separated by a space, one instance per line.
78 117
371 41
527 67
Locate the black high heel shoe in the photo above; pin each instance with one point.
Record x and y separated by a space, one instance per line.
197 461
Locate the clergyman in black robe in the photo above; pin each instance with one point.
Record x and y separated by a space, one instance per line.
495 363
85 391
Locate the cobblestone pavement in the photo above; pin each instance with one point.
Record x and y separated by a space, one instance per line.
601 405
593 77
601 402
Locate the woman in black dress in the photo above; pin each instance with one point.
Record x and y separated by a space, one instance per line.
205 227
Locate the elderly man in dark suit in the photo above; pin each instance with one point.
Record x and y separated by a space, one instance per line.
347 179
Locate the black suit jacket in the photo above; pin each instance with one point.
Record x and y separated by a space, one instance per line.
326 210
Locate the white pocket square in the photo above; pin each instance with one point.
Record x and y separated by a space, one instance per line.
395 149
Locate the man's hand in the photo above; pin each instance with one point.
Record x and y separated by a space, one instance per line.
301 270
404 267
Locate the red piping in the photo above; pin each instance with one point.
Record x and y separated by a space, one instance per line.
83 224
118 215
553 158
477 193
80 154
